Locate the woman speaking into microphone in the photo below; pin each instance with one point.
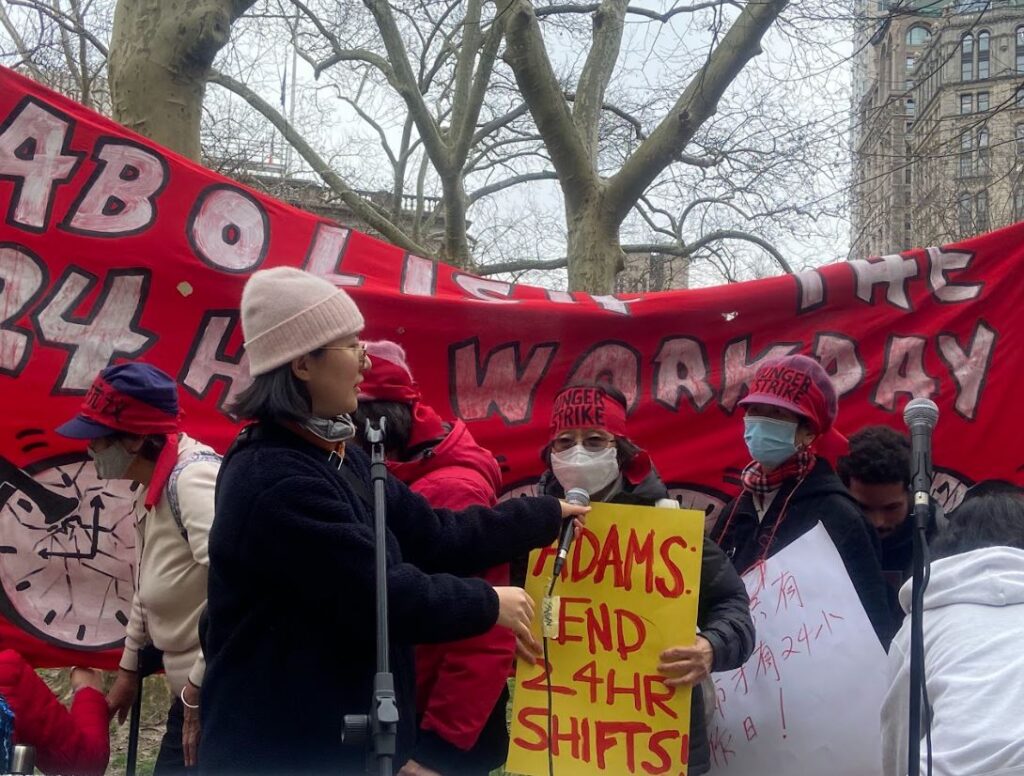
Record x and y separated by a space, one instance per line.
291 640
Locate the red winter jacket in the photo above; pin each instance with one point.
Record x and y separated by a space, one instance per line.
72 743
458 683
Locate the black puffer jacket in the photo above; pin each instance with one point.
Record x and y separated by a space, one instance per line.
723 608
820 498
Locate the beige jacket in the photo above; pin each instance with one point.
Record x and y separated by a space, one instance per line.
170 584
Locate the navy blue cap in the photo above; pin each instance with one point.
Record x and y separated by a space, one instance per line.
142 382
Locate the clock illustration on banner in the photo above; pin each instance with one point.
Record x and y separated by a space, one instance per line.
67 551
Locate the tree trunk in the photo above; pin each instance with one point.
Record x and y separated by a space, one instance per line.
455 250
593 250
160 55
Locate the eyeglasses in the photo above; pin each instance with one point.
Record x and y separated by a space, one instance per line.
592 442
359 348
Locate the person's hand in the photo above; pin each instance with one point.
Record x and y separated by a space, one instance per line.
687 666
515 612
122 694
190 725
413 768
578 513
529 651
85 677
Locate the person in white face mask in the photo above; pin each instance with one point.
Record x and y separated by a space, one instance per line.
131 418
789 486
589 449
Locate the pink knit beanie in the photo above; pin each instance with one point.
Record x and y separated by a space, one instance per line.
287 312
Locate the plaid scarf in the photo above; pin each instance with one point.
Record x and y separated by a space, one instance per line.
755 479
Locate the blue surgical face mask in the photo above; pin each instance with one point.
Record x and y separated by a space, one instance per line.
771 442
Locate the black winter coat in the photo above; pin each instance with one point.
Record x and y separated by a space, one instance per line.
723 609
291 636
820 498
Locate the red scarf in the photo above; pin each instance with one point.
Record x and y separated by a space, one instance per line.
760 482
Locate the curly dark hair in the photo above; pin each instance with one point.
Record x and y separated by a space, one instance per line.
878 455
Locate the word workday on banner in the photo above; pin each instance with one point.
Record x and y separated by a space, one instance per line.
119 191
808 699
628 592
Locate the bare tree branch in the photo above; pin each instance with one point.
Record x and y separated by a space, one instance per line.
575 8
65 22
526 54
406 84
501 121
665 249
493 188
520 266
735 234
597 72
358 205
19 45
695 105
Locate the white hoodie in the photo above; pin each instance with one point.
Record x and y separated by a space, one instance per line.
974 668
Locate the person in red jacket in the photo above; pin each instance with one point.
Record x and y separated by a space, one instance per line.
461 687
71 742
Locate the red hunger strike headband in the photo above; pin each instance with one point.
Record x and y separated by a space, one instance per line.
108 406
584 407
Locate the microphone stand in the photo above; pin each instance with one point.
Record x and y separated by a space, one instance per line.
921 513
380 726
921 416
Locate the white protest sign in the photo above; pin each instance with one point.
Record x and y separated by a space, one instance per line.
807 701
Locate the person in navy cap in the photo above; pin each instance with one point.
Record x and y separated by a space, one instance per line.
132 422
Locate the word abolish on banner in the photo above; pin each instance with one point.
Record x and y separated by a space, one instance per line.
629 590
777 713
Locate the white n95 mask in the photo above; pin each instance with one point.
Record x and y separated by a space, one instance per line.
578 467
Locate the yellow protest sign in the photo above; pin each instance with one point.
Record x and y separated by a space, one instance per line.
628 591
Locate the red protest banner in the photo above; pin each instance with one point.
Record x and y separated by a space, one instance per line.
112 247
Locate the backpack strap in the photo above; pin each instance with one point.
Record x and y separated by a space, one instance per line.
198 456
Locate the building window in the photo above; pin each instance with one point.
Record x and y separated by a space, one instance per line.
1019 136
1018 203
918 35
910 60
1019 98
909 108
966 104
963 214
982 152
981 211
982 102
966 166
967 58
983 38
1020 49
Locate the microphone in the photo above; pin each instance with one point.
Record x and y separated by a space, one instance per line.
574 496
921 415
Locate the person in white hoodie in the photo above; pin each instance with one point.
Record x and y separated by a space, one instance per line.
132 421
973 636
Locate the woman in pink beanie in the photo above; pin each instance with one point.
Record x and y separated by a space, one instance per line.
290 646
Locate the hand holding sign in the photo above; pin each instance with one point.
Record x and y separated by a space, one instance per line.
687 666
515 612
